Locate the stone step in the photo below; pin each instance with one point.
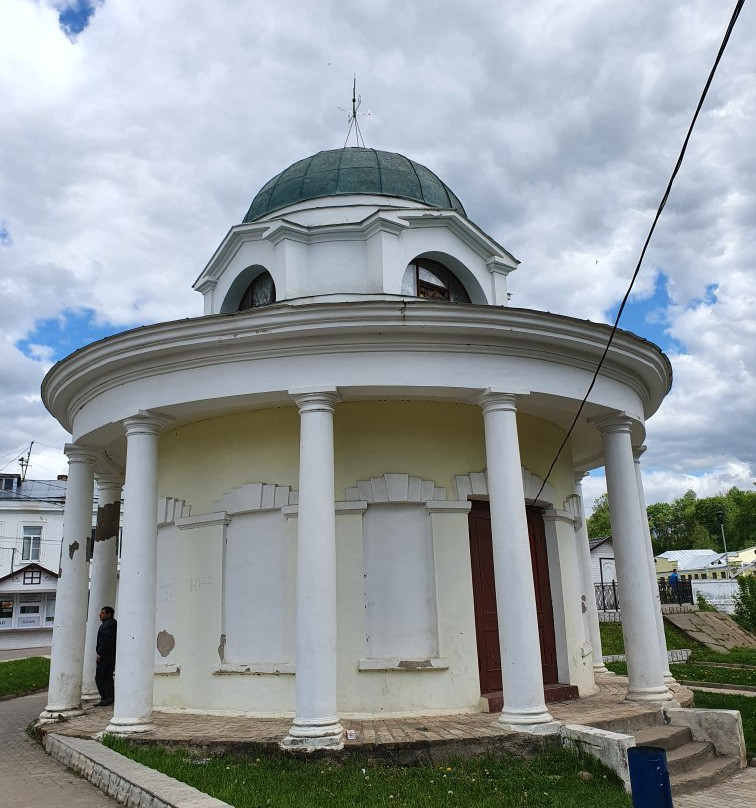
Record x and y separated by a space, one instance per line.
707 774
667 737
689 757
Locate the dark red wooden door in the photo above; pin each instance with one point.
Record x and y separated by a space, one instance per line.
484 597
542 584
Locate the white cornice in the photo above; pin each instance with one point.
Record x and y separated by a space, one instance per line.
469 233
398 327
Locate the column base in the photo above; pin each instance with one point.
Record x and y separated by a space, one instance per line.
657 694
536 721
90 696
307 736
129 726
548 728
51 714
599 667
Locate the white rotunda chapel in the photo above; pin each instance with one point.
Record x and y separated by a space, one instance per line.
333 480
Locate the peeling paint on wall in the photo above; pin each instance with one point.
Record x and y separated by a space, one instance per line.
165 643
222 648
108 518
72 548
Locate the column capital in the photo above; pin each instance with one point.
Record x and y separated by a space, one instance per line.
578 477
108 480
494 398
145 423
315 399
638 452
617 422
80 454
556 515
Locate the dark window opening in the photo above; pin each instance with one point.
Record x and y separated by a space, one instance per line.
261 292
433 281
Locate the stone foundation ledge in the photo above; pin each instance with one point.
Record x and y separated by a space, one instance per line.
127 782
676 655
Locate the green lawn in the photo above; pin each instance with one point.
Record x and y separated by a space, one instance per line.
558 778
20 676
732 701
612 643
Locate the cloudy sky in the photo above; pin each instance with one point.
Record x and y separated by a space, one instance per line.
134 133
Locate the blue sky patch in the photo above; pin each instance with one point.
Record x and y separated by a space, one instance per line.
648 317
66 333
74 16
5 236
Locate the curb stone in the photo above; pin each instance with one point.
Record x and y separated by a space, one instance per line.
128 782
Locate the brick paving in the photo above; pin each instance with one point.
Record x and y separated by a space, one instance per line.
738 791
28 777
607 709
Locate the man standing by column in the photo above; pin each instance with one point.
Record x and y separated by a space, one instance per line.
106 654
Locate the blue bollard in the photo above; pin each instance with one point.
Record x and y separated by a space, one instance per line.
649 777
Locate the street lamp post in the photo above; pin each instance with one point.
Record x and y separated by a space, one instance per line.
720 517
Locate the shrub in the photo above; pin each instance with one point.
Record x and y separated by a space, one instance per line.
703 604
745 603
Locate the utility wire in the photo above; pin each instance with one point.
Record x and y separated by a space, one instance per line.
662 204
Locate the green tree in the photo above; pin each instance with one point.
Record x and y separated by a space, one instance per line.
745 602
600 522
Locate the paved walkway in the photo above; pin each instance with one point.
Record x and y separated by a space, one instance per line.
29 778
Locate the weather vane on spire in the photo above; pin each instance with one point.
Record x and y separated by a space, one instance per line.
352 117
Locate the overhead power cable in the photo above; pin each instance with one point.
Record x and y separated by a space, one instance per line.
662 204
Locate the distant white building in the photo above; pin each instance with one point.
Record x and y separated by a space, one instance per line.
31 529
603 570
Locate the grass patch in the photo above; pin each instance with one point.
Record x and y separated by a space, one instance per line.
21 676
613 643
726 701
726 676
557 778
701 673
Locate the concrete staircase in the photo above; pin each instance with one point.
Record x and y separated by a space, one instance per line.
693 765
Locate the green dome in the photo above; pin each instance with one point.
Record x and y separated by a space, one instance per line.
352 171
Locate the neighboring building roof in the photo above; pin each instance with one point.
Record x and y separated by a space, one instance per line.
688 559
31 566
594 543
353 171
50 491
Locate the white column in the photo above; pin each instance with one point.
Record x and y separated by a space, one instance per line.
584 558
64 694
524 706
316 723
646 678
664 656
137 588
103 568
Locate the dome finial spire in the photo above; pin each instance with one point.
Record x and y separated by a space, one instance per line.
352 117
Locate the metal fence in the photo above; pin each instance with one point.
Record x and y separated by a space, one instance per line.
681 592
607 595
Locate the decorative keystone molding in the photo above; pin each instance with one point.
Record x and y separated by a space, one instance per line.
475 484
170 510
256 497
395 488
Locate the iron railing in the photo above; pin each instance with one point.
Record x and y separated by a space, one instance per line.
607 595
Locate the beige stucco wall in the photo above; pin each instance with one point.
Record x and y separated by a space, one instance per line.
202 461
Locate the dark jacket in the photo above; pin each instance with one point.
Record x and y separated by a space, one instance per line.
106 638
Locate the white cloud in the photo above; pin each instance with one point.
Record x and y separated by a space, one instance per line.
128 154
